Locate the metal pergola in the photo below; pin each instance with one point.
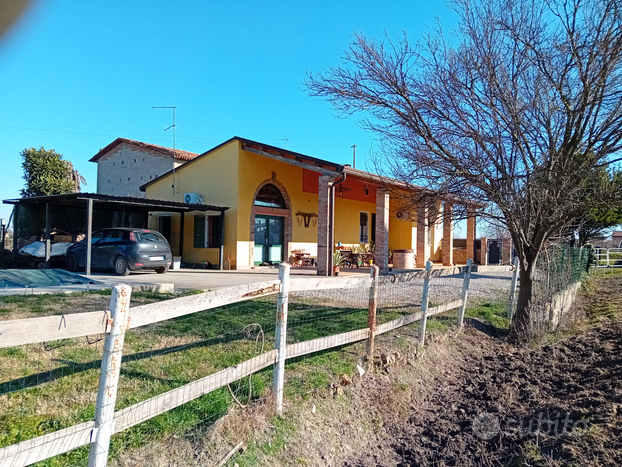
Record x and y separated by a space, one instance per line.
93 203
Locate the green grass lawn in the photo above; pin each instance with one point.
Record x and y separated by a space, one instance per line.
494 312
47 387
606 271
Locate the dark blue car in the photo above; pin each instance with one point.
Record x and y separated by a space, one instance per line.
124 250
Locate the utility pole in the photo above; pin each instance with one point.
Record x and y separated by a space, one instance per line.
353 156
173 127
2 229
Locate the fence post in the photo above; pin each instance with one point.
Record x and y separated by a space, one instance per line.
513 287
371 316
109 375
281 336
425 298
465 291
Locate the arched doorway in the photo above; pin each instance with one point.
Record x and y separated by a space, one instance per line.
271 229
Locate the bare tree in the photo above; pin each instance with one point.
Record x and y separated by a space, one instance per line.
494 229
516 109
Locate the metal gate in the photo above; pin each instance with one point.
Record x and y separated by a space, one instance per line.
494 251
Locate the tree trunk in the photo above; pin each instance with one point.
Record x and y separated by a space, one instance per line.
521 320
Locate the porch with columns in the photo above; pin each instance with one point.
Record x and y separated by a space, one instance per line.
421 244
424 221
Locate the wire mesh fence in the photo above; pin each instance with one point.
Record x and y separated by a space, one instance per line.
560 266
398 297
323 312
172 354
318 313
47 386
184 369
558 273
50 386
397 303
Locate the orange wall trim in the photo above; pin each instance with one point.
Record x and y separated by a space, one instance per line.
353 188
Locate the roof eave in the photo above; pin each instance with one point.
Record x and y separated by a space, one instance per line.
400 184
178 154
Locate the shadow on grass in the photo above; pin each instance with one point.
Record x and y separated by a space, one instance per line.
308 320
71 367
221 325
475 323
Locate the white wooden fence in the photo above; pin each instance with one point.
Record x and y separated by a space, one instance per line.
608 258
97 432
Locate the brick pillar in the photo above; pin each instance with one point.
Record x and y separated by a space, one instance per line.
484 252
448 234
422 236
381 253
323 225
470 243
506 250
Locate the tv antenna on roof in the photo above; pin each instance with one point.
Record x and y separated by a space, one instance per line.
286 139
173 127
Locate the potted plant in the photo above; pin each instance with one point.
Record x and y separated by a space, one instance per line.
337 261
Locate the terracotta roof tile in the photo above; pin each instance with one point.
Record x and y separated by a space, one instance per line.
179 154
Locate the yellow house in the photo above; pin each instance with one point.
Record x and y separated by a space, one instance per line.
281 201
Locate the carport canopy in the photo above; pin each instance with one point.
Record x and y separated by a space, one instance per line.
92 202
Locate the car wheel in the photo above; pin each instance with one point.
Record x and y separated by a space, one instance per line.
161 270
120 266
72 263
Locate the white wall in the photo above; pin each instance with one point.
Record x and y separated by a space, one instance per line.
124 169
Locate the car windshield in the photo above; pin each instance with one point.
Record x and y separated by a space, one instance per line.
149 237
96 237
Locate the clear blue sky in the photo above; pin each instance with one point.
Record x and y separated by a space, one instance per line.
75 75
